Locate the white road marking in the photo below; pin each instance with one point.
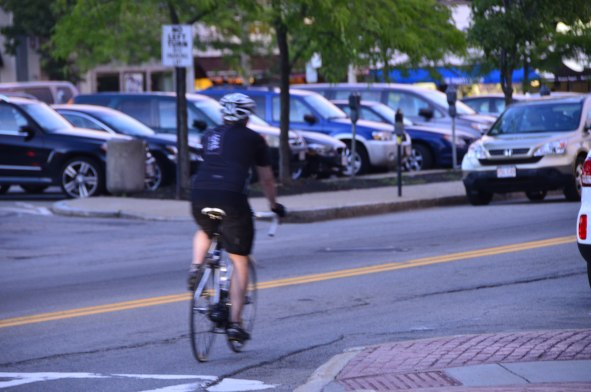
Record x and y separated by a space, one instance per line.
27 208
226 385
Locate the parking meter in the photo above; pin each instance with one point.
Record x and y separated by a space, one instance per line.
452 97
354 105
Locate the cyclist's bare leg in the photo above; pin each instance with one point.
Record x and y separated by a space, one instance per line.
201 244
238 286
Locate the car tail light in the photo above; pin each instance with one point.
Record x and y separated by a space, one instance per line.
586 175
583 227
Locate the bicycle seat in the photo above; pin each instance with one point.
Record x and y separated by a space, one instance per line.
214 213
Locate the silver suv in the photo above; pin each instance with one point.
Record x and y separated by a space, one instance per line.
533 147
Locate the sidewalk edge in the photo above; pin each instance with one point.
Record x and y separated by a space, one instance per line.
327 373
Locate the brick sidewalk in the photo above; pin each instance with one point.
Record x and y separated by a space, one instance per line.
420 364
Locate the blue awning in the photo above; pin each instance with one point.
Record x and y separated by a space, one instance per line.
449 75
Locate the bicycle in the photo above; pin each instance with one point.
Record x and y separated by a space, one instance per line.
210 302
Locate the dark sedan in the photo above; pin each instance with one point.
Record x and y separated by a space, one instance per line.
39 148
431 145
163 147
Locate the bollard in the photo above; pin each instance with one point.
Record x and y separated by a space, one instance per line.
126 166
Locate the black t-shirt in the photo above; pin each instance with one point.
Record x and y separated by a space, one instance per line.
229 152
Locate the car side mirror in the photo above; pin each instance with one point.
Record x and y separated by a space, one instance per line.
310 119
27 131
200 125
426 112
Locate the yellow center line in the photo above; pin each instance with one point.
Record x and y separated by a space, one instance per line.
42 317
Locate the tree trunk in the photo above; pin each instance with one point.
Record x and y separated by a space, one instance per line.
506 77
285 70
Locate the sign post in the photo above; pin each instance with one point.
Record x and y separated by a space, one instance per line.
177 52
399 131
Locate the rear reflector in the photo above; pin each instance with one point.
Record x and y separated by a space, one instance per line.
586 175
583 227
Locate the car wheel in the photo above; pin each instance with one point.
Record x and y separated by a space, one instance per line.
34 189
572 192
423 156
82 177
536 195
478 198
155 182
360 161
4 189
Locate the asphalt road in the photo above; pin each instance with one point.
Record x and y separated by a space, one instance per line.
510 266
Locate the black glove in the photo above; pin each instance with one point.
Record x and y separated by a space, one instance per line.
279 209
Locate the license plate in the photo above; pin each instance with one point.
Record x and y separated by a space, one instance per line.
345 160
506 172
302 155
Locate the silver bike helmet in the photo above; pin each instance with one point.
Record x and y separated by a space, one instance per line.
236 107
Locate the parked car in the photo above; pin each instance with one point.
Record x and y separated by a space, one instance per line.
583 219
158 111
39 148
491 104
534 147
163 147
325 155
309 111
431 146
420 105
50 92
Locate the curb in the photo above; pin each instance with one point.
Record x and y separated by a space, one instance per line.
323 378
324 214
62 208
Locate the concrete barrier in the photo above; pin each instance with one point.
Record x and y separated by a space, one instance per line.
126 166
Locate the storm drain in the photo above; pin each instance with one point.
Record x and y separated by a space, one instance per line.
394 382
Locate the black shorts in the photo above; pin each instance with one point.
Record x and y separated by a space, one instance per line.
237 227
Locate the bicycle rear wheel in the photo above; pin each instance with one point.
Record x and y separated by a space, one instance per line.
201 328
249 309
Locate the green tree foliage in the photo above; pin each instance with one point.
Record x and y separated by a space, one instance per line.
36 19
513 33
98 32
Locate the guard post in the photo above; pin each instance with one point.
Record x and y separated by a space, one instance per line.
354 105
452 97
399 132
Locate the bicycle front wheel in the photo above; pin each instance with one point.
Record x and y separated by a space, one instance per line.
201 327
249 308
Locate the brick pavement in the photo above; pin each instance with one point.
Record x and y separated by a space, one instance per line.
421 363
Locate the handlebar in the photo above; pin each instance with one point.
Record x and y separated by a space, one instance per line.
269 215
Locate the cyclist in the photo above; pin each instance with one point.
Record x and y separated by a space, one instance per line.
229 153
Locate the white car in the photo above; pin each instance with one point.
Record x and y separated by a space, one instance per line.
584 218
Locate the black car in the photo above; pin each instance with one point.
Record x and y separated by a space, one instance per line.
163 147
39 148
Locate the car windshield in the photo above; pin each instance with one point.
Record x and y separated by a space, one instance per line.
46 117
388 113
211 109
547 117
125 124
325 108
441 99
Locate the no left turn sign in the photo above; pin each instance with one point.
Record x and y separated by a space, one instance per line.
177 45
